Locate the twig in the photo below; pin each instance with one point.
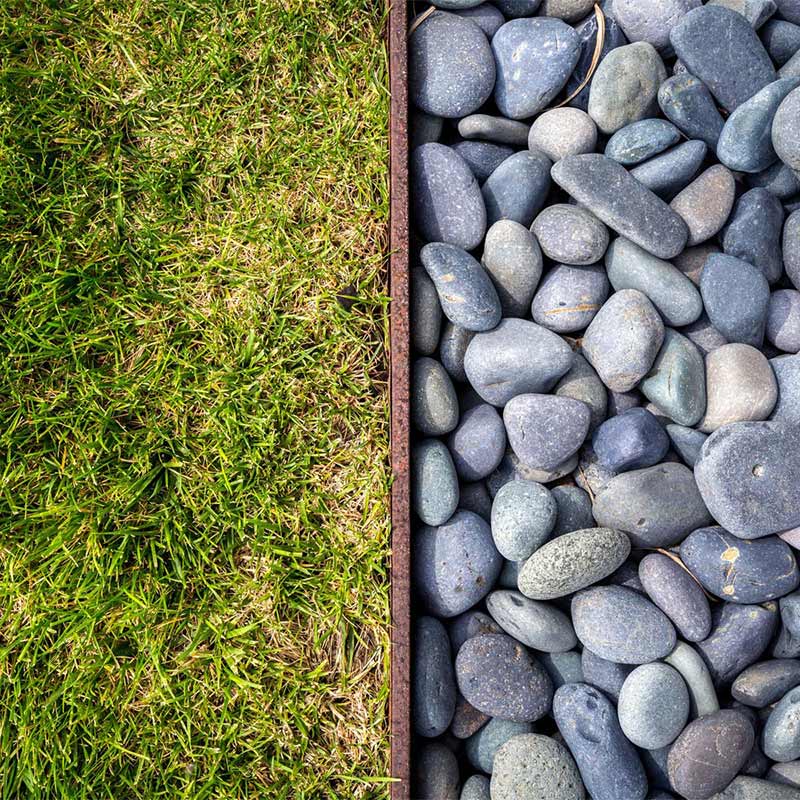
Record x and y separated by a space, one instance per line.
598 50
420 19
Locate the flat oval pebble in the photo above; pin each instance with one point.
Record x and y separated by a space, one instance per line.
455 565
613 195
435 773
570 234
625 86
534 59
677 594
653 705
607 676
563 132
747 474
671 292
621 625
706 203
486 16
687 443
571 562
744 787
709 753
434 483
688 104
641 140
451 71
668 173
582 383
569 297
787 374
786 132
517 189
495 129
497 675
782 731
447 201
433 683
425 312
702 41
651 20
434 405
476 787
538 625
631 440
483 158
516 357
608 763
783 320
513 259
766 682
702 694
482 747
656 507
478 443
523 515
452 349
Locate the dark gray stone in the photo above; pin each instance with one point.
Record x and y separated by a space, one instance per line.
512 469
782 731
452 348
609 764
563 132
424 128
466 719
483 158
783 320
789 10
657 506
475 497
591 475
523 515
455 565
446 199
747 474
702 41
677 594
766 682
518 8
516 357
434 483
791 247
628 576
469 624
563 667
778 179
497 675
687 442
534 57
706 203
478 443
572 562
756 12
631 440
641 140
482 747
435 773
698 679
582 383
476 787
655 765
433 684
434 406
570 234
488 18
495 129
518 188
782 40
574 510
607 676
651 20
787 374
538 625
686 102
451 71
569 297
426 313
786 132
672 171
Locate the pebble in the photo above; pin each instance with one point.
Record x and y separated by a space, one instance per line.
782 730
756 12
544 430
434 483
424 128
517 189
695 673
572 562
455 565
702 40
622 401
786 644
778 179
736 298
608 763
469 624
433 686
447 202
607 676
538 625
656 507
582 383
669 173
434 405
747 474
787 773
452 349
791 68
782 40
641 140
590 475
476 787
631 440
675 297
495 129
512 469
740 387
516 357
706 203
783 320
523 516
570 234
692 260
786 132
483 158
621 625
789 10
787 375
486 16
426 313
655 765
653 705
574 510
651 20
534 58
562 667
625 86
790 612
563 132
518 8
569 297
686 101
791 248
466 719
482 747
568 10
513 259
738 570
451 71
747 788
766 682
709 753
478 444
677 594
498 676
531 766
687 443
435 773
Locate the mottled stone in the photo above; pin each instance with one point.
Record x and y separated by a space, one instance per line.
706 203
466 719
452 348
517 189
483 746
786 131
668 173
562 667
571 562
657 506
782 40
687 103
783 320
434 483
513 259
483 158
702 694
476 787
582 383
469 624
433 684
631 440
426 313
777 179
651 20
569 297
641 140
486 16
687 443
608 763
498 676
523 515
747 788
570 234
791 248
766 682
756 12
563 132
534 59
435 773
782 731
434 406
495 129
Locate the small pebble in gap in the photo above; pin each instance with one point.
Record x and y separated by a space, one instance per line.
469 624
687 103
466 719
568 10
787 375
631 440
563 667
486 16
434 483
482 747
574 510
582 383
540 626
452 349
782 40
483 158
791 248
641 140
478 443
756 12
569 297
563 132
523 516
570 234
783 320
687 443
425 313
607 676
787 773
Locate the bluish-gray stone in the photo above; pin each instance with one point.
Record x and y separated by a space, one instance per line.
655 765
574 509
523 516
631 440
790 612
455 565
791 68
782 40
452 349
704 335
483 158
497 675
787 375
446 199
789 10
563 667
791 248
476 787
613 195
570 234
478 443
621 625
677 594
607 676
562 132
787 774
786 132
469 624
569 297
516 357
433 683
426 313
703 42
756 12
582 383
451 70
619 402
423 128
766 682
434 405
482 746
780 180
435 773
539 625
591 475
668 173
744 787
783 320
641 140
706 203
535 57
434 483
687 443
512 469
686 102
782 731
608 762
651 20
486 16
517 189
495 129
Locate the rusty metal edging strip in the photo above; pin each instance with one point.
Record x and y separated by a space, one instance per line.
400 568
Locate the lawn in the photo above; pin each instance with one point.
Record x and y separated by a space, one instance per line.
193 567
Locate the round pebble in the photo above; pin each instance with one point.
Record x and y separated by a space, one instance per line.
434 483
686 101
570 234
563 132
434 405
517 189
706 203
631 440
641 140
538 625
569 297
523 515
478 443
783 320
433 685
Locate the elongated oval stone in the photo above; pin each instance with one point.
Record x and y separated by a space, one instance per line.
434 484
495 129
702 694
766 682
562 132
452 349
434 405
538 625
687 103
478 443
523 515
706 203
569 297
433 687
517 189
668 173
609 191
641 140
570 234
782 731
621 625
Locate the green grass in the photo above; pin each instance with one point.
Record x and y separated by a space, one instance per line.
193 585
